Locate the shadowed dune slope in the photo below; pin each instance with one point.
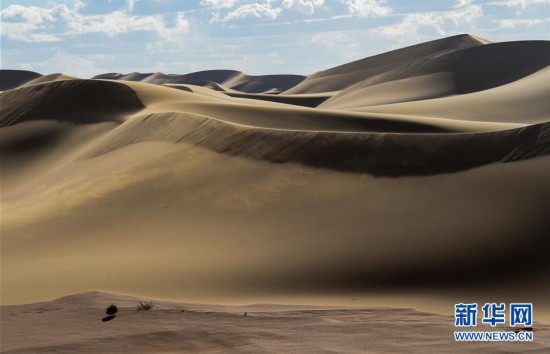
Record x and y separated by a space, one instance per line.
79 101
306 100
48 78
204 83
229 78
343 76
10 79
378 154
464 71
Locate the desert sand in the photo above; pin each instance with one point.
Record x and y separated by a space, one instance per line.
74 324
415 179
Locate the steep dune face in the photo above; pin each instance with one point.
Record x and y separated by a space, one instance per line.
10 79
229 78
43 125
342 77
377 154
463 71
78 101
189 193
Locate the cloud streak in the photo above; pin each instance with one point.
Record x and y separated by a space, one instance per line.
411 24
50 24
367 8
519 3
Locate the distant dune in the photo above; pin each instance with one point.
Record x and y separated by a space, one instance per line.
466 71
414 178
13 78
229 78
343 76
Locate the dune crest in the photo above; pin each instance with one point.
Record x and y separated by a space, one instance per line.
232 79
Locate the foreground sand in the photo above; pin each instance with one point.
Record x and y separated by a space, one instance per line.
74 324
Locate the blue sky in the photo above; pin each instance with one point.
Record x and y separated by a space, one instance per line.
88 37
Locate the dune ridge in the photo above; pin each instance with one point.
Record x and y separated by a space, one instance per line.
465 71
378 154
343 76
232 79
80 101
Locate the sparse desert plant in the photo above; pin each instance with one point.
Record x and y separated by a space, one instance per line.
111 310
144 306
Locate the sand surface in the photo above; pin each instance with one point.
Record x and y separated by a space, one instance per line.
414 179
74 324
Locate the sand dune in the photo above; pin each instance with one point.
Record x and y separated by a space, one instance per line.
463 71
229 78
203 328
13 78
205 83
49 78
342 77
78 101
421 181
522 101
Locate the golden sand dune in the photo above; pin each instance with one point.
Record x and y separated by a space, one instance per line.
459 72
342 77
187 193
522 101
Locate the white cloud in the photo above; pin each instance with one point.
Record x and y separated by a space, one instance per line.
367 8
412 23
119 22
26 66
219 3
333 39
517 22
32 14
37 24
521 3
23 21
305 5
264 10
462 3
340 42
